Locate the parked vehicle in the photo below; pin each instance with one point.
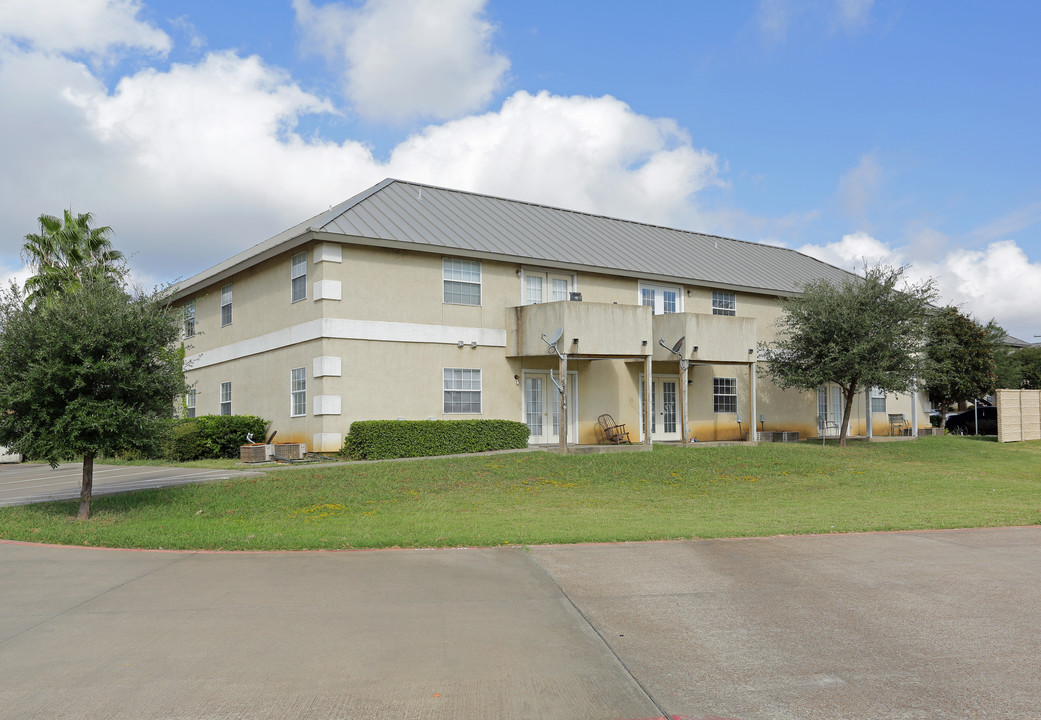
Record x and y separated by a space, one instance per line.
964 423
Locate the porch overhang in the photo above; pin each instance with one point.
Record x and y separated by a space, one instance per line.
722 339
589 329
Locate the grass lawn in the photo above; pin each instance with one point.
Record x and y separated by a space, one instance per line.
533 498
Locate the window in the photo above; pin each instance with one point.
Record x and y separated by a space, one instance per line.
462 390
724 303
189 403
661 299
878 400
225 305
724 395
298 276
188 318
297 392
533 287
560 289
462 281
225 398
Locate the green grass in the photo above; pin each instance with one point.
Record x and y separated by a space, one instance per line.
533 498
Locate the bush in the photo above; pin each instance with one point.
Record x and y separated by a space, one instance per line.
212 436
381 439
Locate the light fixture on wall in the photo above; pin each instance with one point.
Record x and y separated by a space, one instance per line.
516 379
574 341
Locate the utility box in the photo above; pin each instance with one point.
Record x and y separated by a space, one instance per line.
9 457
291 451
778 436
257 452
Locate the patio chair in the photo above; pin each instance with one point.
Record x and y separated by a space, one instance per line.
898 424
614 433
824 425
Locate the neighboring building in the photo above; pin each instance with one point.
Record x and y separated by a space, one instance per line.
411 301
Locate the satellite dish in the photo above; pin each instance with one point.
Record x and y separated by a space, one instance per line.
555 336
679 345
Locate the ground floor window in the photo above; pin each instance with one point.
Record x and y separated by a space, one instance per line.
462 388
878 400
225 398
298 392
724 395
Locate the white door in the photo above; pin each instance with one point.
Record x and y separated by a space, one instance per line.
831 412
542 408
665 421
540 287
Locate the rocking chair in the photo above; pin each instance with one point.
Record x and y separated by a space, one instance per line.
616 434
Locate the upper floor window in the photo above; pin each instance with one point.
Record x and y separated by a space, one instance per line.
462 281
189 403
661 299
542 286
298 276
225 305
533 289
188 318
724 303
878 400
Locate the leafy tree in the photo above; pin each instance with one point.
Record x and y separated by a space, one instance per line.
90 372
861 333
961 360
1007 372
65 252
1028 361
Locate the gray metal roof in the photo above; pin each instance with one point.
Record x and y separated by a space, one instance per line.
431 218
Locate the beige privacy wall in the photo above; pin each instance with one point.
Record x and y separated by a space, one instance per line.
1019 415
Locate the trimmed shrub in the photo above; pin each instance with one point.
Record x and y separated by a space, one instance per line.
212 436
382 439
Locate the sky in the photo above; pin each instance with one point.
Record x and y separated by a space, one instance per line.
857 131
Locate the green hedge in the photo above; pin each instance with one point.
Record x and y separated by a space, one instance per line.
212 436
381 439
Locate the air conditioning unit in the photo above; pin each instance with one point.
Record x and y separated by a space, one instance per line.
257 452
776 436
291 451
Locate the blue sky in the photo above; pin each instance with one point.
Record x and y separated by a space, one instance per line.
849 129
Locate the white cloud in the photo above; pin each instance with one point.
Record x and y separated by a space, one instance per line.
853 14
92 26
998 282
773 17
859 186
408 58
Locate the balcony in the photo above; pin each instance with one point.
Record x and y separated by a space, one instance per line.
602 329
718 338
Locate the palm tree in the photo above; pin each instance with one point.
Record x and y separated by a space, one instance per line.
66 252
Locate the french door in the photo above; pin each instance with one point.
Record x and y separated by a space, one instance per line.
665 408
830 412
541 407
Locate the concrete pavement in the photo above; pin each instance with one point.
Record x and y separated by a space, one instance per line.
25 483
900 625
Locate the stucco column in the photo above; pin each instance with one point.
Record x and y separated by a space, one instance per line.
562 413
648 400
914 407
684 431
870 419
753 434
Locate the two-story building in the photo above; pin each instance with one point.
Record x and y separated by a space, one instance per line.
418 302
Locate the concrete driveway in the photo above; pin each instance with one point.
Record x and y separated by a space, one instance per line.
902 625
25 483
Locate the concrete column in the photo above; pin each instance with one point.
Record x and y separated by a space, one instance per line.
870 420
914 408
563 404
753 434
648 400
684 430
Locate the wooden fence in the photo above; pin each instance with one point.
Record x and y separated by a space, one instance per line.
1019 415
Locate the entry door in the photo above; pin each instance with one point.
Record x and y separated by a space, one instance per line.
665 398
542 408
830 411
540 287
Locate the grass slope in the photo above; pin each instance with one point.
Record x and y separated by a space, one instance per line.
533 498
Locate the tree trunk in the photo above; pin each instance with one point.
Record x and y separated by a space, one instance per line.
86 487
846 412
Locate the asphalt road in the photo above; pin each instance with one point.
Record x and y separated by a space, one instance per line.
928 625
25 483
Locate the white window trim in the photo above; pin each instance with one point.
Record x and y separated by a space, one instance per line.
722 310
877 394
294 274
188 311
190 402
229 304
725 395
479 391
479 282
293 392
659 304
547 287
221 400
